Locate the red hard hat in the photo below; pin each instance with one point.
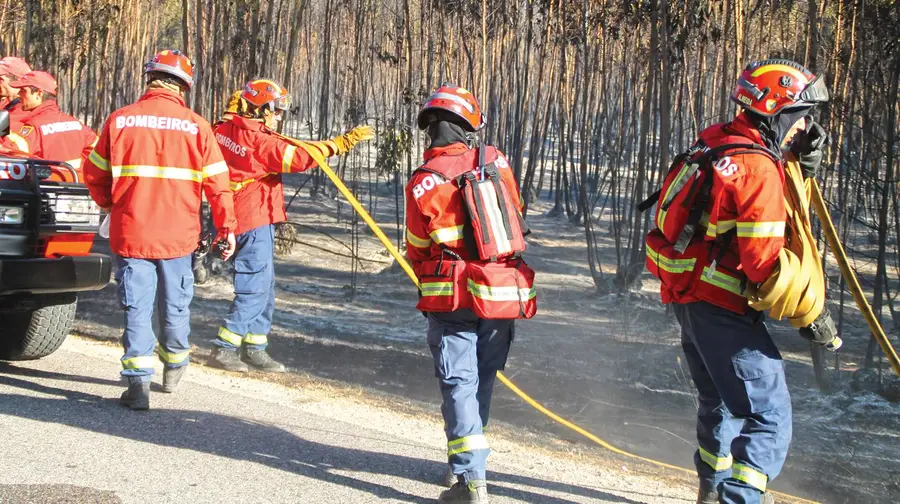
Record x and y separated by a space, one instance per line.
263 92
452 103
767 87
14 66
174 63
37 79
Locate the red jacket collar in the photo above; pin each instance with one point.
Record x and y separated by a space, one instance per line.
741 125
449 150
248 124
46 107
163 93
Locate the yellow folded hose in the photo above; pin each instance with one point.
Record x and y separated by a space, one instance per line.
796 290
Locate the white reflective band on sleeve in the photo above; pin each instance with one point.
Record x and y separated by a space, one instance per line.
173 358
256 339
140 362
417 242
448 234
720 227
163 172
230 337
750 476
468 443
760 229
716 462
98 161
215 169
288 159
20 142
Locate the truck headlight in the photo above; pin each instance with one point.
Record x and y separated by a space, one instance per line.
11 215
75 210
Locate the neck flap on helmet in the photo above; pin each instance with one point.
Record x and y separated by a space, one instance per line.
774 129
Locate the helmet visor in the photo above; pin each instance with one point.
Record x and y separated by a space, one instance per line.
815 92
283 102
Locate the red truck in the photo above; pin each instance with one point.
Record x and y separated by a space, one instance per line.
47 227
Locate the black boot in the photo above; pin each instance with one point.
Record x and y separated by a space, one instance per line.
261 360
228 359
448 479
171 377
475 492
707 497
137 397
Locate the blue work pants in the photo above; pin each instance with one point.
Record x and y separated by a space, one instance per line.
169 284
250 318
744 414
467 352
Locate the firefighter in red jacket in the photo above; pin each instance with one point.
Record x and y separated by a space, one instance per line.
45 131
256 158
153 159
744 414
11 68
473 282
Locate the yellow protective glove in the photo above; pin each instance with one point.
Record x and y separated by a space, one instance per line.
234 103
348 140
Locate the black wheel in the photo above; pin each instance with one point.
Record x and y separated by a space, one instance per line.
29 335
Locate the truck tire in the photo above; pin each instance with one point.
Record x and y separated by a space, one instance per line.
30 335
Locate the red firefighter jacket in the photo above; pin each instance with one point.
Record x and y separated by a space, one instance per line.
256 158
437 220
48 133
150 164
744 227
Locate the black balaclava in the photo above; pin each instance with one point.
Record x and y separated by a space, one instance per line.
444 133
773 129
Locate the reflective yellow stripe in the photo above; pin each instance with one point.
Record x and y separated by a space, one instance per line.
675 266
468 443
417 242
437 288
780 68
750 476
98 161
722 281
721 227
288 159
173 358
717 463
230 337
661 218
20 142
140 362
215 169
237 186
256 339
760 229
163 172
489 293
447 234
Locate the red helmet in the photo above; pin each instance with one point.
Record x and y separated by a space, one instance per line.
767 87
174 63
452 103
263 92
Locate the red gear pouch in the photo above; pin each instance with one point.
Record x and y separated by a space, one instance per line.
498 226
677 272
502 290
442 285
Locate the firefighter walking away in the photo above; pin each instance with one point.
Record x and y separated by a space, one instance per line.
153 159
465 238
721 218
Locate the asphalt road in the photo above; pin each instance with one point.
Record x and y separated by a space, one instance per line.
230 438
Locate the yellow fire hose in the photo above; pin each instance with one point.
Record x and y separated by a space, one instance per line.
320 161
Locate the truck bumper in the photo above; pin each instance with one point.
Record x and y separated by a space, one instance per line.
47 276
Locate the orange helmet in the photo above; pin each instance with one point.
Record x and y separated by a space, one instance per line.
263 93
768 87
452 103
174 63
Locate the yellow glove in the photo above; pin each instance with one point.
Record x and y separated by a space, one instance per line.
358 134
234 103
